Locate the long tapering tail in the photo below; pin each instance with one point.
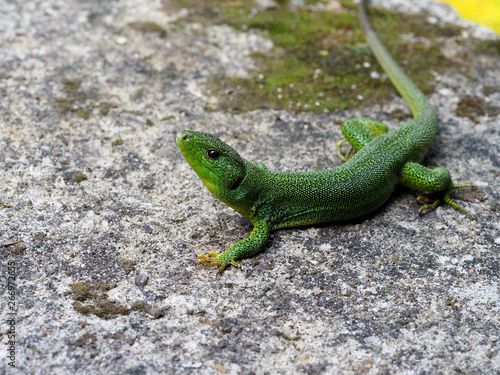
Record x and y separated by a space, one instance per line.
415 98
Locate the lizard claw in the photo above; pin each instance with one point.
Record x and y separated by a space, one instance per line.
214 260
349 153
431 203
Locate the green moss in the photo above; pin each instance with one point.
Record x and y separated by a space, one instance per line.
473 108
15 249
107 309
140 306
287 337
75 99
82 113
149 27
81 308
64 105
104 107
128 265
91 298
450 301
320 61
87 339
82 291
80 176
71 87
487 47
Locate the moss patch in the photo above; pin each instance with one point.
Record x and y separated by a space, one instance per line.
487 47
91 298
140 306
80 176
75 99
128 265
321 61
15 249
148 28
474 108
87 340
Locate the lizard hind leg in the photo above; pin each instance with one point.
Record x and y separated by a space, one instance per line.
437 180
359 132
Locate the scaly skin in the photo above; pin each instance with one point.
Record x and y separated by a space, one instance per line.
378 161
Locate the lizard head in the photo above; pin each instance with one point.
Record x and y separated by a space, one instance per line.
220 168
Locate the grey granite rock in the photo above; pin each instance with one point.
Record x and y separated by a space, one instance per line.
94 186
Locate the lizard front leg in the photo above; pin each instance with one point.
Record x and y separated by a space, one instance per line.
244 249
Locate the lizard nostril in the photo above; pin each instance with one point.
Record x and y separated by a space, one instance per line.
183 136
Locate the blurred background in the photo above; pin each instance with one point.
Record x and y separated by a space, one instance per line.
484 12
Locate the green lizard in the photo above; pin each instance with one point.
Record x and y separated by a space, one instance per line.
378 161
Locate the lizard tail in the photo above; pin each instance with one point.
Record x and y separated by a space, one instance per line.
415 98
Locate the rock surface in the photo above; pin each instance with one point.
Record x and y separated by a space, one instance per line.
112 217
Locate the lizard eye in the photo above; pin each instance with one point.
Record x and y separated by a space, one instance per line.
213 154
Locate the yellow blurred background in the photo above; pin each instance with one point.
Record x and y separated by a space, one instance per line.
484 12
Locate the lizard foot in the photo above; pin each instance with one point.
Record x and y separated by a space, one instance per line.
216 260
349 153
432 203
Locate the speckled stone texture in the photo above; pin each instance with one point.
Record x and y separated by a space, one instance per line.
112 217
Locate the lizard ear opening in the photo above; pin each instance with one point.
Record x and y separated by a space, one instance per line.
236 184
